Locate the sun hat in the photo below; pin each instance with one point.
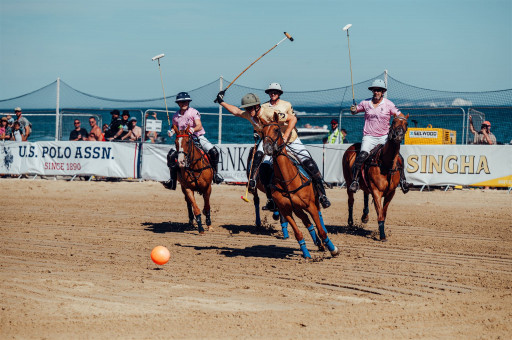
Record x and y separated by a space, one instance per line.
115 112
132 119
126 112
17 109
4 118
334 121
488 123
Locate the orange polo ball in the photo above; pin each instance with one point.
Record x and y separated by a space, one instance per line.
160 255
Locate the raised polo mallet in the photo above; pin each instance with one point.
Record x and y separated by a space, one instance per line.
287 36
158 57
350 61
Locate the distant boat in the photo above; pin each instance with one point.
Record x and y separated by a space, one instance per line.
309 132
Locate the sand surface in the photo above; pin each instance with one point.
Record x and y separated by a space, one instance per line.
75 263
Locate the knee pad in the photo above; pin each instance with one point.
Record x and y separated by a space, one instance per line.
310 166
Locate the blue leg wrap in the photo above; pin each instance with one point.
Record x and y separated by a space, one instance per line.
284 226
313 234
381 230
329 244
322 221
305 252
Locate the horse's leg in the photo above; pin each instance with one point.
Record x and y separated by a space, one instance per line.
287 212
195 209
189 207
284 226
350 208
387 200
377 198
311 228
206 209
366 211
256 199
322 231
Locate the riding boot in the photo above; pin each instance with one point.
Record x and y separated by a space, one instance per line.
356 170
213 154
271 205
312 169
258 157
173 170
403 182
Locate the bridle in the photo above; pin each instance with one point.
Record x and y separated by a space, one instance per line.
190 161
270 145
397 134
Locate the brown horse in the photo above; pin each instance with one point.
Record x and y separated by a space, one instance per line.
292 191
195 174
380 173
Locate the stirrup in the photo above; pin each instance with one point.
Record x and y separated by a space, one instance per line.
354 186
324 201
271 205
217 179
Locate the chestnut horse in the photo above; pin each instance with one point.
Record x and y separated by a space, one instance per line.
380 174
292 191
195 174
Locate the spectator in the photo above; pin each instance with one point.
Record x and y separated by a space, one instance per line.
95 134
151 137
78 133
25 125
123 129
4 133
17 132
344 133
335 136
134 131
115 125
484 136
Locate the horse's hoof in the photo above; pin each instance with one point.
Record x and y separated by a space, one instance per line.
275 216
321 247
191 223
350 223
365 219
384 239
335 252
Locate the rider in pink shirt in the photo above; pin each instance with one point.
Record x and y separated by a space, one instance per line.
189 117
377 114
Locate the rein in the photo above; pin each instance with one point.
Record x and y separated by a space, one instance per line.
192 162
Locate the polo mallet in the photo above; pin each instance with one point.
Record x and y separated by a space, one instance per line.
350 61
158 57
250 173
287 36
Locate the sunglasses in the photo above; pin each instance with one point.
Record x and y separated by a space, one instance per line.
273 92
377 90
250 108
77 123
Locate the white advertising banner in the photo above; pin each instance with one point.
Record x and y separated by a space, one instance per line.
232 161
478 165
70 158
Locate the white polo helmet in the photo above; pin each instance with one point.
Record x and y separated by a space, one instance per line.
379 84
274 87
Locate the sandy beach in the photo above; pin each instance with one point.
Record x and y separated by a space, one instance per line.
75 263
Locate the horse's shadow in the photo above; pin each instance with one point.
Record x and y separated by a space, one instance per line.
252 229
266 251
355 230
168 227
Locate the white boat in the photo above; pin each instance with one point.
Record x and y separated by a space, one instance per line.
309 132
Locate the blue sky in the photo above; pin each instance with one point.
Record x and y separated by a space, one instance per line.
105 47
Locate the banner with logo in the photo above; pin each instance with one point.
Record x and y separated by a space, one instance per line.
70 158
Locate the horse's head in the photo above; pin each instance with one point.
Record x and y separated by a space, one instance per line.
183 144
272 138
398 128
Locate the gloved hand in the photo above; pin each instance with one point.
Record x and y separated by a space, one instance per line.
220 97
353 109
191 131
256 137
170 133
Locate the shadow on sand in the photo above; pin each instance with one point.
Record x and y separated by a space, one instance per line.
168 227
266 251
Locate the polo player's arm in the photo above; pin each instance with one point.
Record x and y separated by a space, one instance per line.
232 109
292 121
198 126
